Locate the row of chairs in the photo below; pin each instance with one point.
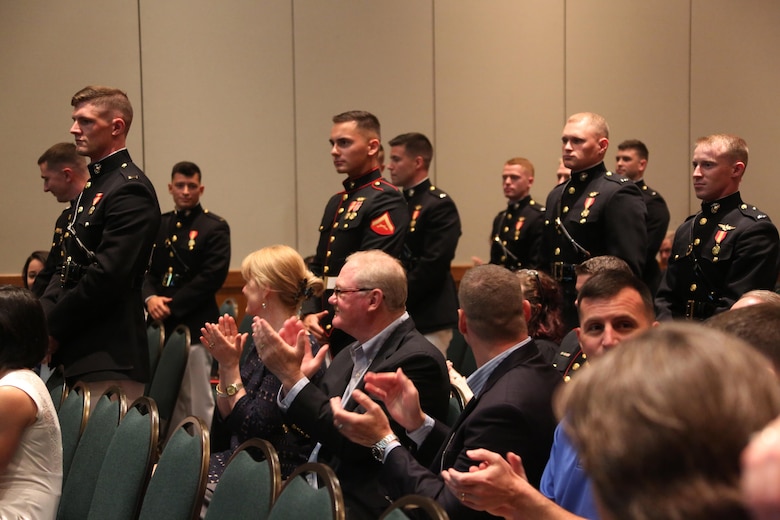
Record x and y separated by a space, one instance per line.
110 472
251 488
127 442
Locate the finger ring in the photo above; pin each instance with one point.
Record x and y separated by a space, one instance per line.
463 497
211 345
339 426
261 346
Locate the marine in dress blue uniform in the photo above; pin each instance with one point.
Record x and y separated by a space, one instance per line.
723 251
631 161
657 225
94 306
434 231
369 214
517 234
595 213
726 249
190 263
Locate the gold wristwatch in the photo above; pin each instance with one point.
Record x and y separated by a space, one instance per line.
230 390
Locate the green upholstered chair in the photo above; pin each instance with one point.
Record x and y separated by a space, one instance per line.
127 464
299 500
155 335
419 506
73 416
249 485
176 489
166 382
91 450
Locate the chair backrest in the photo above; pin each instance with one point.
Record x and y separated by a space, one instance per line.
91 450
456 406
166 381
230 307
461 355
299 501
249 345
127 464
418 504
155 335
73 415
249 485
176 489
58 389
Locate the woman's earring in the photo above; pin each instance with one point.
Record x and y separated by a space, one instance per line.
264 305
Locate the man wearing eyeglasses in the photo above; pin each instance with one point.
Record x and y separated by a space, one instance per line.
369 300
511 409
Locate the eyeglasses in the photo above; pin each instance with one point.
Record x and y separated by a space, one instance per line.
338 292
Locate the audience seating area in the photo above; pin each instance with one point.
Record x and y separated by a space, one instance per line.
116 470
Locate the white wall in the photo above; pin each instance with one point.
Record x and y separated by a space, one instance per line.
246 89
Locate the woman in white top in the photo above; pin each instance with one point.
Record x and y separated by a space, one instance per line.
30 439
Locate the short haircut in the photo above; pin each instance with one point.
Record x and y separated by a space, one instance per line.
378 270
107 98
762 295
605 285
24 339
63 154
635 144
366 122
281 269
41 256
597 264
544 294
596 121
525 163
188 169
677 404
757 324
417 145
491 298
732 145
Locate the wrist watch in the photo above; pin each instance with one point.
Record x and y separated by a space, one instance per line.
230 390
378 449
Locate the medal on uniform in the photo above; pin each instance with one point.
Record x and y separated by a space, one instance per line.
91 210
353 208
588 203
720 236
191 243
518 226
167 280
96 198
415 214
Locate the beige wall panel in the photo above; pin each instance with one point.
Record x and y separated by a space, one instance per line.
629 62
734 85
499 94
48 51
353 54
218 90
